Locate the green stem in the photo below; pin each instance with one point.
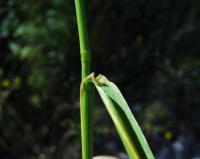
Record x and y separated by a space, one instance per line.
86 100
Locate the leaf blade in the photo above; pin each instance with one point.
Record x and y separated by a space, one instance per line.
125 123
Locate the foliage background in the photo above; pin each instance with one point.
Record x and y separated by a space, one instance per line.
150 49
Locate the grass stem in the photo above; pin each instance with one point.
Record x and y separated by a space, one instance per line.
86 100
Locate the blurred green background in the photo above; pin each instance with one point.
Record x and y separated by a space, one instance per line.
150 49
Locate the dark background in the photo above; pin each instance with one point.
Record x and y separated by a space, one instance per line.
150 49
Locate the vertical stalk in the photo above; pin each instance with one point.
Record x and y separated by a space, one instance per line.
87 95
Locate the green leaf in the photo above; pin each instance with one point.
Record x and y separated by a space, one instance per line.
125 123
15 48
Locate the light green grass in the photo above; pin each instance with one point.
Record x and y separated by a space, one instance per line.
124 121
